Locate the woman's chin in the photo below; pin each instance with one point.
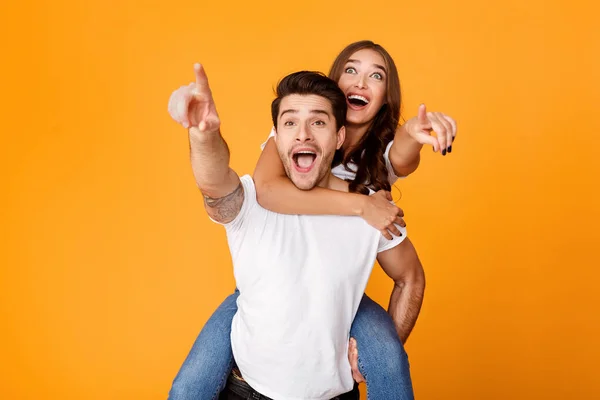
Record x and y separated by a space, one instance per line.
358 118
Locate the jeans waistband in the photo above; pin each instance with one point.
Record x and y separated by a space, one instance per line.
240 387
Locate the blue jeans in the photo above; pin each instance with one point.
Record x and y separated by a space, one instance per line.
381 356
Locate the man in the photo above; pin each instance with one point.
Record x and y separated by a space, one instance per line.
300 278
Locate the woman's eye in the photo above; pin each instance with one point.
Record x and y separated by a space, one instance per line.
377 76
350 70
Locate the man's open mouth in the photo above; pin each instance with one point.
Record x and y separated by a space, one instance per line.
304 160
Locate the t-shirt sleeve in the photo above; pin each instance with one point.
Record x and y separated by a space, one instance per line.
272 134
392 177
386 244
248 205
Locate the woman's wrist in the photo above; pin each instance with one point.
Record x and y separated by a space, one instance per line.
359 204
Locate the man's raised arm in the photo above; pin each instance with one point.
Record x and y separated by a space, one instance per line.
193 107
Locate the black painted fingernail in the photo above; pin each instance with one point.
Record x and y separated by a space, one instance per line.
453 137
444 152
450 149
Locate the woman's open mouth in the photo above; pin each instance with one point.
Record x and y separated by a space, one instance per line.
356 101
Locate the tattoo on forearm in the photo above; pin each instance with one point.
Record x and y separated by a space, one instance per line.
225 209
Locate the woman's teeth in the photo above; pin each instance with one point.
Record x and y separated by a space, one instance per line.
358 100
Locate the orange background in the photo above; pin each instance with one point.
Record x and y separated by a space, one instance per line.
110 266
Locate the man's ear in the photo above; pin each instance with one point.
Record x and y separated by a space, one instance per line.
341 136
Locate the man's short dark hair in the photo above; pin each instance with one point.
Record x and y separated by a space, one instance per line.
310 82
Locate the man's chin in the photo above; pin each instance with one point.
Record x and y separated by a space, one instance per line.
303 183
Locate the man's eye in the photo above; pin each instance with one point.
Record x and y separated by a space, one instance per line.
288 123
319 122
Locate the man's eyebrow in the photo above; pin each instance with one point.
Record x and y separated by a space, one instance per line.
289 110
319 111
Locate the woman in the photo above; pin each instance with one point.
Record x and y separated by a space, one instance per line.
376 152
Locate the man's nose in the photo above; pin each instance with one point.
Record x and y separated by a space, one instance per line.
304 134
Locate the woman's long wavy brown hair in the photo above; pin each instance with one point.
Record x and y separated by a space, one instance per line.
368 153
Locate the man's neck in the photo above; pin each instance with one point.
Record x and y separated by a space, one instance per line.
354 133
332 182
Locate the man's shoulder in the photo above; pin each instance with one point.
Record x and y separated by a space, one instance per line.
247 198
249 188
247 180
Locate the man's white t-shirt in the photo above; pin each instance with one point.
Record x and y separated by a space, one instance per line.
301 279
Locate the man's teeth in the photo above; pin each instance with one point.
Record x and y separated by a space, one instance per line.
357 97
304 158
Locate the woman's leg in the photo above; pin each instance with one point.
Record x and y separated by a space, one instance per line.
205 370
381 356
